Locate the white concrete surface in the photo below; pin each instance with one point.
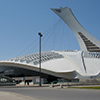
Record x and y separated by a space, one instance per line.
14 96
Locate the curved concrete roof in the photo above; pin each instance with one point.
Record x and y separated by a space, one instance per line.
51 63
65 64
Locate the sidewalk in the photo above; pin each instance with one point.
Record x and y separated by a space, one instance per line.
14 96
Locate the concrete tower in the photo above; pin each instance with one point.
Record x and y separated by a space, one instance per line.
86 41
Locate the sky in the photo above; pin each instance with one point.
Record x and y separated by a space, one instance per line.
22 20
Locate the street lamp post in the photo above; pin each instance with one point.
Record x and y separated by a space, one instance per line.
40 56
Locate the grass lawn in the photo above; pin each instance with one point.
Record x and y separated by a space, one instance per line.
95 87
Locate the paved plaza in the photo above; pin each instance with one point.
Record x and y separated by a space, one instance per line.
47 93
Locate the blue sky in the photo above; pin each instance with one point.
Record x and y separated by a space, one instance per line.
21 20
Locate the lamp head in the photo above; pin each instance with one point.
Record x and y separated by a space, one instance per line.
40 34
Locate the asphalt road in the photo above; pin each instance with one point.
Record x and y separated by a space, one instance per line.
46 93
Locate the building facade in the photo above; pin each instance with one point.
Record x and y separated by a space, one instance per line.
83 64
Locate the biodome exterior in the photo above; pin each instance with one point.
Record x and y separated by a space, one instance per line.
83 64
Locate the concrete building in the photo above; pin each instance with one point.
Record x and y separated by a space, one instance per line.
83 64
